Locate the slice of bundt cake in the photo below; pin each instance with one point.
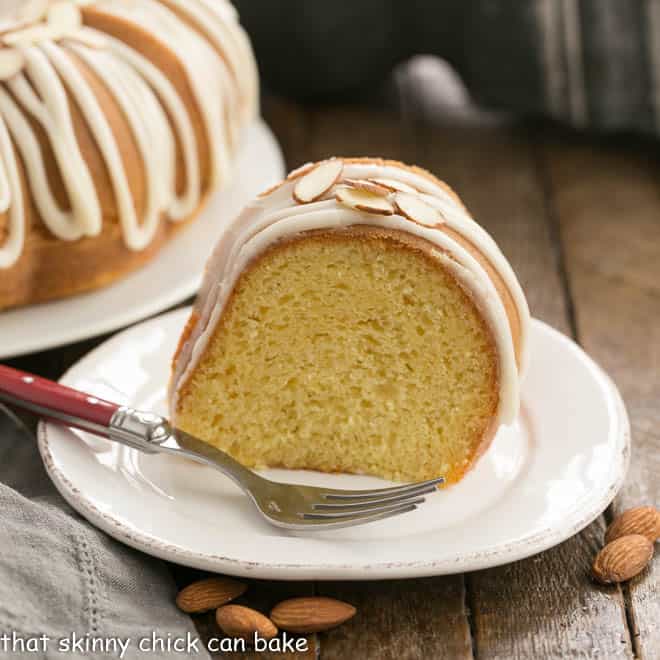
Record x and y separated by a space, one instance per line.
354 319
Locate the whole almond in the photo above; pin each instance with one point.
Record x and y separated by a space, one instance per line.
244 622
644 520
311 614
208 594
622 559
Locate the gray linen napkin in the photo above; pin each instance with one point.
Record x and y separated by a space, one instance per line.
62 578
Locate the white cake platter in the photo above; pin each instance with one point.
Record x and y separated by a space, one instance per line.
543 479
174 275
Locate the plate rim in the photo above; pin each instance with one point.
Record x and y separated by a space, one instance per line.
504 553
132 315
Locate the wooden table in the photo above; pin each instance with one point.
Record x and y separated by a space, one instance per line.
580 221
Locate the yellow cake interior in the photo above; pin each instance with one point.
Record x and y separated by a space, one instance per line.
347 351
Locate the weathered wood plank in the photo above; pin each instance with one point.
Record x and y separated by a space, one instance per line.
608 206
545 606
400 620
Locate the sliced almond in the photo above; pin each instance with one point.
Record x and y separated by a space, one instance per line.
361 200
368 186
394 185
11 62
318 181
299 171
65 17
417 210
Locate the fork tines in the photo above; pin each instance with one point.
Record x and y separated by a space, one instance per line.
358 506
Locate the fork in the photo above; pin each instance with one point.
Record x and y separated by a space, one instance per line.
290 506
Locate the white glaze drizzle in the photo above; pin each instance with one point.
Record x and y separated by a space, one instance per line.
49 106
198 59
151 132
276 216
221 71
184 204
11 199
218 21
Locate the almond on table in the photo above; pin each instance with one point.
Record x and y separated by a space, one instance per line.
244 622
644 520
208 594
311 614
622 559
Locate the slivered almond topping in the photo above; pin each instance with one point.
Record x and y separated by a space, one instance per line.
299 171
317 181
368 186
11 62
64 17
417 210
361 200
394 185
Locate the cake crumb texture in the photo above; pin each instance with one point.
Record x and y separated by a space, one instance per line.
347 353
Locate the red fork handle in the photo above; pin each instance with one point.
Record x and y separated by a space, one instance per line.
56 402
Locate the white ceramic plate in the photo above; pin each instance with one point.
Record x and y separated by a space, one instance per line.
174 275
543 479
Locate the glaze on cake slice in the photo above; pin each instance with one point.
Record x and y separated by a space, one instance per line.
374 329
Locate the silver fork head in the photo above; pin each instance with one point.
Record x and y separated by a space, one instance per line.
286 505
307 507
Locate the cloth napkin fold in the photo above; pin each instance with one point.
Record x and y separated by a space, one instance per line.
68 590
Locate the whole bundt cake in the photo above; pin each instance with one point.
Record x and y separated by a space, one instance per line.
117 119
355 318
